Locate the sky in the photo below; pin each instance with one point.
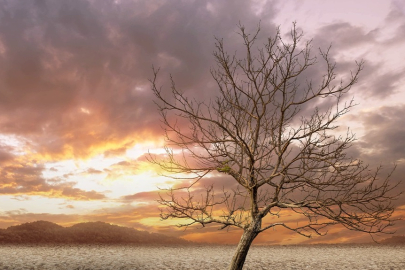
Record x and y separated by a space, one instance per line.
77 114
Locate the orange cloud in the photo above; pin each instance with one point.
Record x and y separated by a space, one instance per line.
71 91
27 179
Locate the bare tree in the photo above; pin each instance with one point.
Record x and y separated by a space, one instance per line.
283 156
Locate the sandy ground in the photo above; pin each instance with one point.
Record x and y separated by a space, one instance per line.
200 257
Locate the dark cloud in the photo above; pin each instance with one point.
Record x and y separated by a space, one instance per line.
74 82
383 143
376 80
376 83
384 130
75 74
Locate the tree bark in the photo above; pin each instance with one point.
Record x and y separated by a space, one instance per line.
242 250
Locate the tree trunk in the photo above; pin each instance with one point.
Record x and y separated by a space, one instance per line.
242 250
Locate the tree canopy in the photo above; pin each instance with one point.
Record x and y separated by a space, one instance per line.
271 132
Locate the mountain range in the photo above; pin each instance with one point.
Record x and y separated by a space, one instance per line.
44 232
394 240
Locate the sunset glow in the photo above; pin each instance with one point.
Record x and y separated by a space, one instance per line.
78 119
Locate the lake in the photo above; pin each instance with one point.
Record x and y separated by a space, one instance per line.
89 257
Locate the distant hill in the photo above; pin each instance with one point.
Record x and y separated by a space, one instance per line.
43 232
398 239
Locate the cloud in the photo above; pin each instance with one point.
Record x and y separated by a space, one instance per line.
383 143
78 194
22 179
150 196
74 84
353 43
5 156
115 152
93 171
346 36
376 83
384 138
75 76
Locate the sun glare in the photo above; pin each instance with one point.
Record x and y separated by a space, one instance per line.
114 176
